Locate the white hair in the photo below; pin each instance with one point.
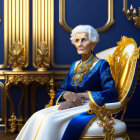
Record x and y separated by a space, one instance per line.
93 35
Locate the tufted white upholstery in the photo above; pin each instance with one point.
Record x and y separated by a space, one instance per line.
95 130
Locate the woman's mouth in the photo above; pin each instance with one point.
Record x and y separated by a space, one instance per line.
80 49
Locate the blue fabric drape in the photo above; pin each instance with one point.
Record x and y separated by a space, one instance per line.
76 126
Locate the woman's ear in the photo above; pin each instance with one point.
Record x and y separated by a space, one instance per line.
93 44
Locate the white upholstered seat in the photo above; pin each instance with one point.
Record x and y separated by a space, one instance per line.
96 130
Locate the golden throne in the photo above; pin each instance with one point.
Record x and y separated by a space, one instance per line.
124 66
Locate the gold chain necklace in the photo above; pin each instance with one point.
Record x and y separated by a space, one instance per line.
82 69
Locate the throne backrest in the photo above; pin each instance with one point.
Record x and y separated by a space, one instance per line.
123 64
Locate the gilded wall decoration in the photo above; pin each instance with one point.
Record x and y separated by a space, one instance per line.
42 58
43 33
67 28
132 13
62 20
16 28
17 56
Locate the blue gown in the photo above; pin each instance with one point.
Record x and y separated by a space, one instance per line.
100 85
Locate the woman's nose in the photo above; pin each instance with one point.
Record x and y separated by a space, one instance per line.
80 43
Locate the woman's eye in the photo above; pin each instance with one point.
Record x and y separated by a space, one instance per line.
76 40
83 39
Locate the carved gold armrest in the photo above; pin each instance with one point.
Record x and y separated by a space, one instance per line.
107 109
106 115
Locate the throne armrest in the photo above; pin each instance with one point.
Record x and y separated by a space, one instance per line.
113 105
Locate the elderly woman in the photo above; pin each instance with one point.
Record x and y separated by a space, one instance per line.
88 79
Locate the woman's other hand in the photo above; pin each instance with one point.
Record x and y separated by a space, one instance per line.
83 95
66 105
73 98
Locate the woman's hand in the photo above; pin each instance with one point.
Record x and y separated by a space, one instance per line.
73 98
66 105
84 95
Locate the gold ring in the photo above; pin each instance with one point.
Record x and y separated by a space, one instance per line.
74 100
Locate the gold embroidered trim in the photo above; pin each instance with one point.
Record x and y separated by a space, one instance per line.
91 98
40 124
59 98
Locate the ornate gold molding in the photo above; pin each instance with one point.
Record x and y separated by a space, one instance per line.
27 77
16 27
43 32
125 6
102 29
106 118
12 124
65 26
42 58
16 57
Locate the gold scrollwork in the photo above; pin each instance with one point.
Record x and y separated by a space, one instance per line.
126 66
106 117
23 79
13 125
17 56
52 95
26 79
42 58
102 29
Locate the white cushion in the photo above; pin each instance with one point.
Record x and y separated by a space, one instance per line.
96 130
113 105
103 54
129 49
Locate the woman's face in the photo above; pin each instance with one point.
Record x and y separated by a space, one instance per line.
83 45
